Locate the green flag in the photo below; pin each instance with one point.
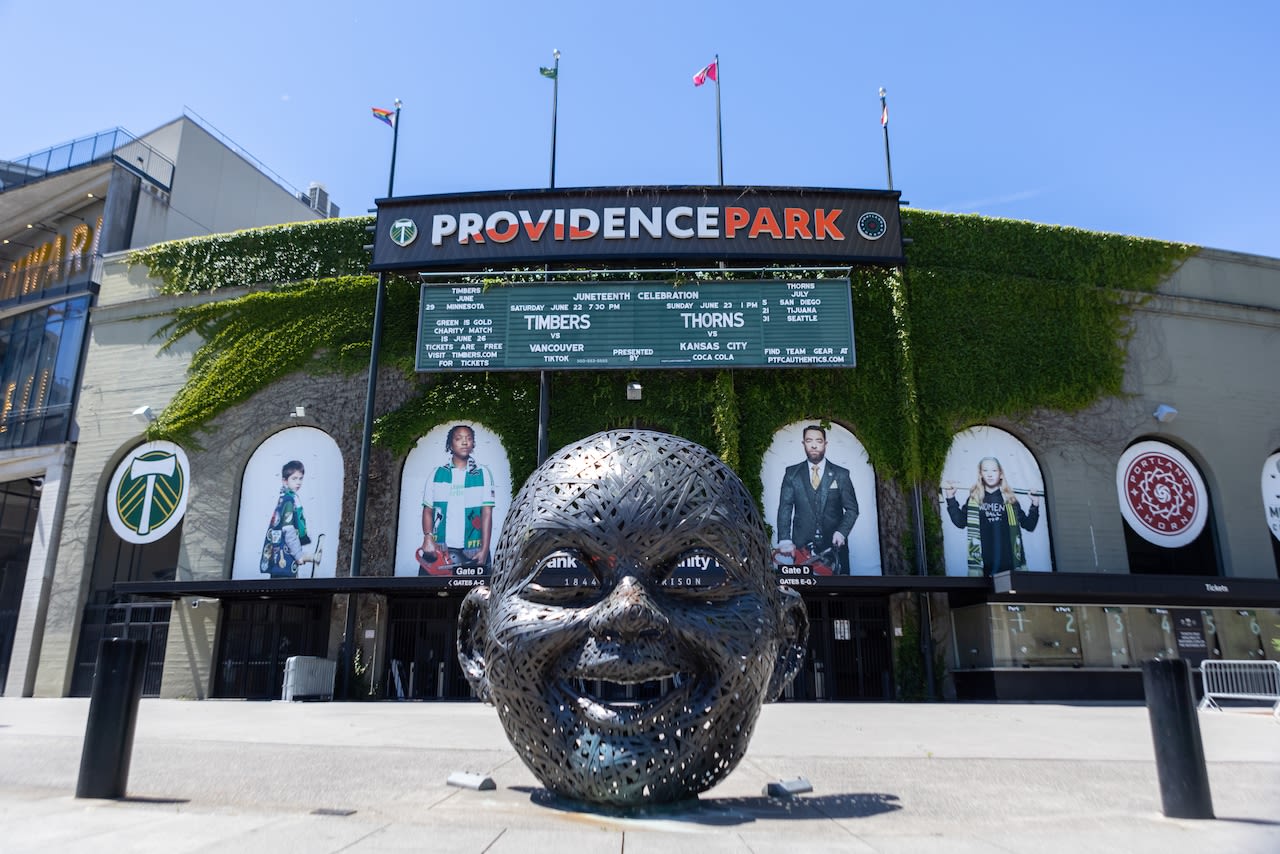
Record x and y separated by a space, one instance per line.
549 73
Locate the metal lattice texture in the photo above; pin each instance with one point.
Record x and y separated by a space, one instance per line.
633 625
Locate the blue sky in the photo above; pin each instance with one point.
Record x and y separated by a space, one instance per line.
1151 118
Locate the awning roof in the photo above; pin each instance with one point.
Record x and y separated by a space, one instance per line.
868 585
1048 587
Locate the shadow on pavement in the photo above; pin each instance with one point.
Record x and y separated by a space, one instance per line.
731 811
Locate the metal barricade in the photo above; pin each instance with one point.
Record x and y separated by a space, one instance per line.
1240 680
307 677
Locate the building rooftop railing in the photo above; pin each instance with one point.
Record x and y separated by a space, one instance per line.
116 144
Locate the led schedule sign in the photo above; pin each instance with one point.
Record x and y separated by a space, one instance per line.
752 324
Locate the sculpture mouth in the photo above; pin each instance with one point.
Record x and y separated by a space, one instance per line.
614 703
627 695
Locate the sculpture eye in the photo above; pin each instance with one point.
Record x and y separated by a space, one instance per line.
563 577
695 570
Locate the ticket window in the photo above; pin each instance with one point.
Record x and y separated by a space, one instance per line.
1104 636
1239 634
1151 634
972 636
1269 623
1037 636
1053 637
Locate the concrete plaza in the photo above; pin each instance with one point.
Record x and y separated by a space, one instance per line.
328 777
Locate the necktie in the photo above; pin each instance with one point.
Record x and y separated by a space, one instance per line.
813 478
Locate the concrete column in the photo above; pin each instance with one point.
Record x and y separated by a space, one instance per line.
28 639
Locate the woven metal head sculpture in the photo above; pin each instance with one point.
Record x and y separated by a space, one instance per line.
633 625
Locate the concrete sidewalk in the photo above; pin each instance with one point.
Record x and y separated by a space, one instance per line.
242 776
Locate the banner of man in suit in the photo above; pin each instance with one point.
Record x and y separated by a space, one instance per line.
820 498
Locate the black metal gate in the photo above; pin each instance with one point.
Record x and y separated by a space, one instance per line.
422 657
256 639
149 622
19 502
850 656
12 576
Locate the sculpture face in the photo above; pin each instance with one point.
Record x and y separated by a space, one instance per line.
679 603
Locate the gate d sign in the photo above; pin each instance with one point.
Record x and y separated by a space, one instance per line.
148 493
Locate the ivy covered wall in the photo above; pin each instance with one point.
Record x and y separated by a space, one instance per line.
989 319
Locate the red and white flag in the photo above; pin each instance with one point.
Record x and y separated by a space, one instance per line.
884 115
707 73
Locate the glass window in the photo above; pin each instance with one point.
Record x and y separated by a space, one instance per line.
1047 636
972 636
1239 634
1269 621
1104 636
1151 633
39 363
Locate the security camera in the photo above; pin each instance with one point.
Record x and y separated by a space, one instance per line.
195 603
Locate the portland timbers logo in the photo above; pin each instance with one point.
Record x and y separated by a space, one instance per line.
404 232
149 493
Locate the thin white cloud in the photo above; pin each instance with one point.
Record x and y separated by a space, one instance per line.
991 201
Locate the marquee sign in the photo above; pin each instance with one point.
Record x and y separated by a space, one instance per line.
769 224
148 493
740 324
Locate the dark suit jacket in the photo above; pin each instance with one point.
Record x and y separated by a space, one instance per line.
806 515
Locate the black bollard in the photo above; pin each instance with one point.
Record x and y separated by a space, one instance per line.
1175 730
113 713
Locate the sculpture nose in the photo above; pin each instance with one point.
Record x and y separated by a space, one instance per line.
628 612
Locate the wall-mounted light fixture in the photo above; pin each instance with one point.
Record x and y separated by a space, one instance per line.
634 391
145 414
1164 413
298 412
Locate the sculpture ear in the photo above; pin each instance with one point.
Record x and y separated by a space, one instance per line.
793 644
473 627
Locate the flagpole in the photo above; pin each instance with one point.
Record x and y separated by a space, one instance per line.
544 379
719 138
362 481
884 123
555 101
917 500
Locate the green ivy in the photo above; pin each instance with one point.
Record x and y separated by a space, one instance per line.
313 249
506 403
1009 316
991 318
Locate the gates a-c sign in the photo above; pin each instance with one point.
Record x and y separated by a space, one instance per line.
768 224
